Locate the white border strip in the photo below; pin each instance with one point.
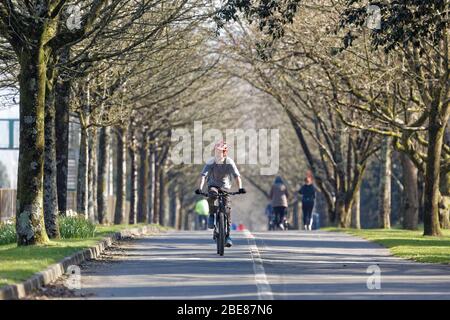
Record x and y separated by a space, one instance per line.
264 289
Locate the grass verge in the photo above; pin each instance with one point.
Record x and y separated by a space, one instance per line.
19 263
407 244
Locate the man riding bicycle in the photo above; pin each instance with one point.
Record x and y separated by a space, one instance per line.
218 173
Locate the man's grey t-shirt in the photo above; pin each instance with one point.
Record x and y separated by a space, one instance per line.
220 175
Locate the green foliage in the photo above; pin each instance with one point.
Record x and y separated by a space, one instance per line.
70 228
7 233
270 16
76 228
406 21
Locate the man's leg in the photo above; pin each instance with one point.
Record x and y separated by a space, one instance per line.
305 215
308 215
282 216
311 215
203 222
212 192
228 212
276 210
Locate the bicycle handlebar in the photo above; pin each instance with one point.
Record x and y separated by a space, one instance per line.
222 193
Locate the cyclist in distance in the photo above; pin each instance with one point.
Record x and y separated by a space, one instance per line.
202 210
219 172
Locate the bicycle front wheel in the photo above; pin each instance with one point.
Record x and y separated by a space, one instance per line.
221 234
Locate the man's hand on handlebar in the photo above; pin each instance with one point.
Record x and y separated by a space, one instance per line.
242 190
198 191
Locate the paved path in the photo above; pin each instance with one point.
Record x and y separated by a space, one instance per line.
278 265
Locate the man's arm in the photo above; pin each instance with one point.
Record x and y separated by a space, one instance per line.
202 182
237 175
239 182
203 176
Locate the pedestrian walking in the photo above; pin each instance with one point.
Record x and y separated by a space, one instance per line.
279 197
308 194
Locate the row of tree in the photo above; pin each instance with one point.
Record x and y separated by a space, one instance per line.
132 71
352 92
124 69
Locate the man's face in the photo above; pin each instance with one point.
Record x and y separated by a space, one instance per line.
219 155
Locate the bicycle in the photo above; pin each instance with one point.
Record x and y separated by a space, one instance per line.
221 228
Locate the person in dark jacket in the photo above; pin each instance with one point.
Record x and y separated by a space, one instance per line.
279 196
308 193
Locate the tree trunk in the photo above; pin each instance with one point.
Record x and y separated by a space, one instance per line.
30 225
50 186
340 210
133 177
119 212
95 180
410 199
143 187
92 175
156 212
186 220
444 203
173 207
341 198
385 184
421 190
347 197
332 213
102 184
82 178
431 206
151 183
296 211
62 101
356 210
163 214
347 210
181 211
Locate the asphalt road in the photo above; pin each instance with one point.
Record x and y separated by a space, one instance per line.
263 265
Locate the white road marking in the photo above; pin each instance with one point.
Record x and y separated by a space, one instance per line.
264 289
